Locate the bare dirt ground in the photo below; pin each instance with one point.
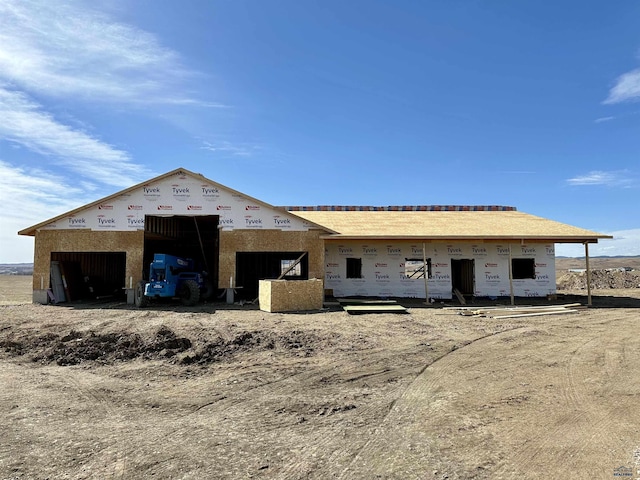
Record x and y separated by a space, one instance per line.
108 391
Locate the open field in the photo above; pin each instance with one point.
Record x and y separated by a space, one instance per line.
15 289
107 391
562 264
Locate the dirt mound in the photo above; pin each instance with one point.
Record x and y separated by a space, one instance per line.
298 341
77 347
600 279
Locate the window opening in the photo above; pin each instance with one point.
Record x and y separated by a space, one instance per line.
523 268
414 268
354 268
294 272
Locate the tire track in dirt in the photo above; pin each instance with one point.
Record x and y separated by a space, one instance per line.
329 448
326 449
84 389
523 461
227 409
365 463
231 414
160 452
422 435
236 410
586 426
62 382
336 458
600 424
12 400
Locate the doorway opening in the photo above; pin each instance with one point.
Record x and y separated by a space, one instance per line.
462 275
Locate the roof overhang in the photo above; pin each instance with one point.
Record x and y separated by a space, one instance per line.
459 224
549 239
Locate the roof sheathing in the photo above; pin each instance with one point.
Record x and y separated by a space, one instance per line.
443 225
401 208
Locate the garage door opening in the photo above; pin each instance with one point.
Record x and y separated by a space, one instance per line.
194 237
251 267
87 275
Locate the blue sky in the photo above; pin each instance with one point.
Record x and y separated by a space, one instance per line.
296 102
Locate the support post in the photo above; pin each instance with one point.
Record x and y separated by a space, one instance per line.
426 273
586 257
229 291
513 301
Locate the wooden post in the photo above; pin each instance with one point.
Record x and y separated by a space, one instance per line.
586 257
513 302
426 273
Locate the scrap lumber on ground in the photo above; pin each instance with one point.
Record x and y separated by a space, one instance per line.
354 309
356 306
499 312
459 296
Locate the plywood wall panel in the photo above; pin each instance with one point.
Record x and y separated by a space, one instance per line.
269 241
47 241
291 295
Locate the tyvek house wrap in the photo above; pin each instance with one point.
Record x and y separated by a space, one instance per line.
179 194
384 274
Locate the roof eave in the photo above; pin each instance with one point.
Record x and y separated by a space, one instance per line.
501 238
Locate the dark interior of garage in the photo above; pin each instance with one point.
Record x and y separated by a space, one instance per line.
254 266
92 275
194 237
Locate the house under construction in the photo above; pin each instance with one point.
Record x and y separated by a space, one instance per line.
397 251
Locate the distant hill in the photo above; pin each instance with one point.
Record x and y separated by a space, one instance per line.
599 263
16 268
600 256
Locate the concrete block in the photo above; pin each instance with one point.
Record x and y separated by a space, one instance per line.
40 296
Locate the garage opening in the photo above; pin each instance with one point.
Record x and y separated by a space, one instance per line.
87 275
462 275
194 237
251 267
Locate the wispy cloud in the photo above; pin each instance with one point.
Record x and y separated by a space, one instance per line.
66 48
28 196
626 88
70 51
621 178
603 119
24 192
227 148
24 122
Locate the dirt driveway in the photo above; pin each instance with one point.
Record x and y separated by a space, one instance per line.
106 391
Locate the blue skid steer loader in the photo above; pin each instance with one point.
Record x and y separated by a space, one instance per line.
171 276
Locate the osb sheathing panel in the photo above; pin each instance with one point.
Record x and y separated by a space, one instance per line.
447 226
48 241
269 241
290 295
